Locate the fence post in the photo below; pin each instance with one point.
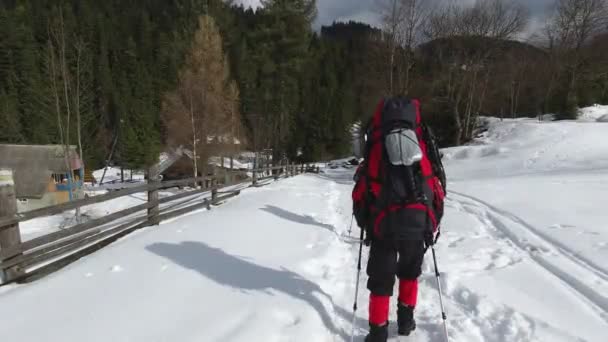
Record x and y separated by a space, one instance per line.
214 195
153 211
10 235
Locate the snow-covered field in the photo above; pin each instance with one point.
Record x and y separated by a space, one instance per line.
112 174
523 258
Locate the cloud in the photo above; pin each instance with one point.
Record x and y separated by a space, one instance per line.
249 3
366 10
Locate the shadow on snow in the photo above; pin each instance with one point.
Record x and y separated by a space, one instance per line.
227 270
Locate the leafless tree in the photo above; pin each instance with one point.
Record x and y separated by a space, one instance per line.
402 23
499 19
467 71
574 24
59 77
205 100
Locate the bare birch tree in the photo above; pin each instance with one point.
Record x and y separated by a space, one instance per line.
574 24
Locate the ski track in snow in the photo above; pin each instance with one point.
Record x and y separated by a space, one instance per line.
557 245
546 252
469 314
472 317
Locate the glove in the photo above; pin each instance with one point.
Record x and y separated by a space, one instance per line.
430 239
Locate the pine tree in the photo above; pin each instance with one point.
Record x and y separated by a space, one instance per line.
9 116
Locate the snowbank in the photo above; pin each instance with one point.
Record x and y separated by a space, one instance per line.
593 113
603 118
524 146
542 185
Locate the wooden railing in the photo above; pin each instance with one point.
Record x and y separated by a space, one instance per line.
31 259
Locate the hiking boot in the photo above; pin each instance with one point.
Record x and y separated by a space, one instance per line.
377 333
405 319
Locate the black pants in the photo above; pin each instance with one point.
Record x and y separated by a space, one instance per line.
388 259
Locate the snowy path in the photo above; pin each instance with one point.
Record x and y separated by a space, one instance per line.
523 258
276 264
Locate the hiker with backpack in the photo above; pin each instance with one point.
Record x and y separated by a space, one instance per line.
398 202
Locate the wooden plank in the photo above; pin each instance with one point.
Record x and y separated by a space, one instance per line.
182 195
182 211
10 237
70 240
6 220
112 234
61 263
267 169
73 240
229 195
76 245
55 236
205 203
49 248
57 209
174 183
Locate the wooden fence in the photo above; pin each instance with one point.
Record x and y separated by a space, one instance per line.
29 260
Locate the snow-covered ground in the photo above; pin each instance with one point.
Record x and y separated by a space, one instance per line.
522 257
44 225
112 174
596 113
236 164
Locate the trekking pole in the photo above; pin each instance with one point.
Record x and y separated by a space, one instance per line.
443 314
350 228
352 335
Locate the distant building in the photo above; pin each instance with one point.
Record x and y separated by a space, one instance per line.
178 163
41 175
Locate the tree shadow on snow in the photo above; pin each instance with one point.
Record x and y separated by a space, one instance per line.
228 270
293 217
311 221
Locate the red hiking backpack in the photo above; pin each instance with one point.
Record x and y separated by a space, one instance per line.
401 185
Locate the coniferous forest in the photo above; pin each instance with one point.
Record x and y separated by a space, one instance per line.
124 80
